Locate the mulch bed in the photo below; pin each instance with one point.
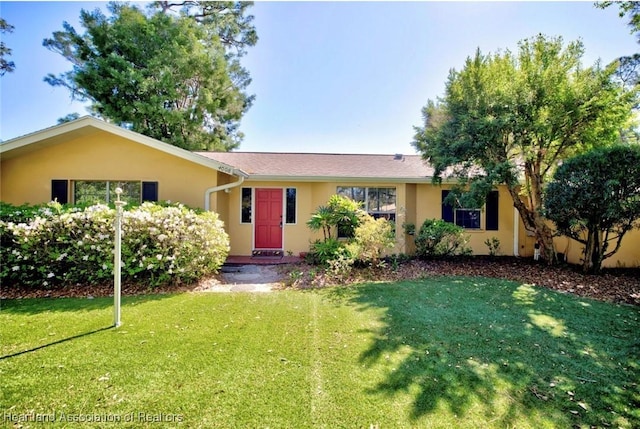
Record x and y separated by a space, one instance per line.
620 285
612 285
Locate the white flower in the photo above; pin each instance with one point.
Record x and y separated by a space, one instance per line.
150 267
50 275
162 237
104 266
159 257
85 258
15 268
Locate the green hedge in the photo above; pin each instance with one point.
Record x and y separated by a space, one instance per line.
52 245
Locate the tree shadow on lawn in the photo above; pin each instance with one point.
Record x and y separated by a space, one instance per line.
499 352
34 318
40 305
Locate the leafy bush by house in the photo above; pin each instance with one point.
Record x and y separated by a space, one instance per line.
366 242
324 251
341 216
371 238
438 238
57 246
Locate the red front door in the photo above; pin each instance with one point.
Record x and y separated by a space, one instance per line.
268 223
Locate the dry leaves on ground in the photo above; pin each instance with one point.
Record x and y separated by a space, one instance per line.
613 285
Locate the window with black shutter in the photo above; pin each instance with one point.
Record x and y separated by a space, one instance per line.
467 218
492 211
149 191
60 191
447 209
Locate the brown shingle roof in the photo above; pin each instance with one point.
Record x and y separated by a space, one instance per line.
323 165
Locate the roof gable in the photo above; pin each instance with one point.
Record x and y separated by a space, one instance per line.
88 125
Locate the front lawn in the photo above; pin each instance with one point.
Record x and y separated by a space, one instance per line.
440 352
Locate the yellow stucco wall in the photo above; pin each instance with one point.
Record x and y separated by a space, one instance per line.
414 204
628 255
296 236
102 156
429 206
309 196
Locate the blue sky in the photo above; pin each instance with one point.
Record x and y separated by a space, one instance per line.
342 77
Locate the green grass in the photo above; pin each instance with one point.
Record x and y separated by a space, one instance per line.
437 353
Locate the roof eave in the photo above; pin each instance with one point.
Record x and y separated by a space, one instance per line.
286 178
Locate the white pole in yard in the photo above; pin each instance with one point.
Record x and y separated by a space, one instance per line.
117 263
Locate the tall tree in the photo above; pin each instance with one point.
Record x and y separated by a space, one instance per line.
630 9
6 66
229 20
594 198
628 66
510 118
162 74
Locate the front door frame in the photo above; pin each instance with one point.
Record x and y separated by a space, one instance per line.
256 216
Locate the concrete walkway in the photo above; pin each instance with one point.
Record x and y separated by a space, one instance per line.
245 278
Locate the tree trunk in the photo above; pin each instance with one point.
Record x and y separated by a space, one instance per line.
598 251
533 221
589 251
544 236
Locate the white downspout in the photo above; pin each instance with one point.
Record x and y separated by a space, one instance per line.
516 232
208 192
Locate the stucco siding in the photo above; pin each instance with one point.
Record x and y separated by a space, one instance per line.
102 156
628 255
429 206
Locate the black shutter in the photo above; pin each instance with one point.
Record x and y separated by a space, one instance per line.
60 191
149 191
447 209
492 211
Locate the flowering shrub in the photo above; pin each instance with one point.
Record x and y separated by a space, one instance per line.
160 244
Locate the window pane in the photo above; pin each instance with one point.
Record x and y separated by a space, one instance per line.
359 194
388 216
378 202
373 202
131 192
344 191
355 193
387 200
100 191
381 200
246 205
89 192
468 218
291 205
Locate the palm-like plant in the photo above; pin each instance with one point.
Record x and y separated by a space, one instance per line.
322 219
339 211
